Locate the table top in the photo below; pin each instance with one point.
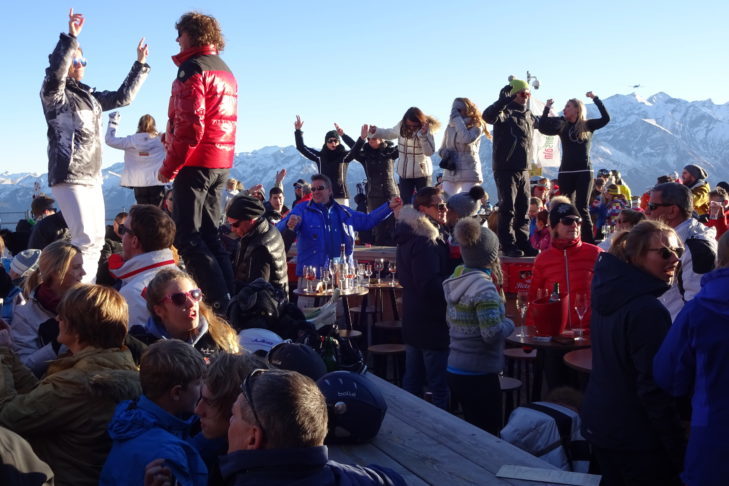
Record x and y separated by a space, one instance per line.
427 445
375 252
384 285
579 359
543 343
328 293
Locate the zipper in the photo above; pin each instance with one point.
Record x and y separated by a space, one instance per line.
567 274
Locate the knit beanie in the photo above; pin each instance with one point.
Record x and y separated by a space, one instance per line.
560 210
466 204
479 245
25 262
245 208
517 85
331 134
696 171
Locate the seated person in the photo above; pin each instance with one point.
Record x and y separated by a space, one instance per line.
178 312
157 424
64 416
276 436
550 430
22 265
35 328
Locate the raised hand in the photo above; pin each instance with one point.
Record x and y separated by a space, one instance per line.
114 117
280 176
298 123
549 103
591 95
505 91
396 205
426 127
373 129
75 23
365 130
339 129
142 51
293 222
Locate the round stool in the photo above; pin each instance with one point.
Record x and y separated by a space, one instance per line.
509 386
387 331
392 354
350 334
520 364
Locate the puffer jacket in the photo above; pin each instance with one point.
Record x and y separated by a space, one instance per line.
513 129
261 254
624 409
143 156
477 322
64 415
331 163
142 431
463 144
154 331
422 266
700 195
379 166
692 361
698 259
73 113
573 268
203 113
135 274
313 232
414 152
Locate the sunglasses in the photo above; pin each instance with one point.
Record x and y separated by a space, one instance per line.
247 390
332 140
318 188
180 298
570 220
124 230
667 252
79 61
439 206
654 206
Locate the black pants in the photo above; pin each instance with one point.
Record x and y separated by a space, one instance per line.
197 213
384 233
149 195
480 399
513 188
410 186
636 468
578 187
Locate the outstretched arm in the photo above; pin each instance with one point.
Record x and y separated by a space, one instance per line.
597 123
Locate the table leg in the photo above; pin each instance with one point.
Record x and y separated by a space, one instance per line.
393 301
538 376
347 315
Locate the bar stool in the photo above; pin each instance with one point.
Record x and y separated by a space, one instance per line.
520 364
509 386
392 354
387 328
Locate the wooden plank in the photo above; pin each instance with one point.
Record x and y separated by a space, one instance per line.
366 454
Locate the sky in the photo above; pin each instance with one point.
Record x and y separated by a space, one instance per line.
354 63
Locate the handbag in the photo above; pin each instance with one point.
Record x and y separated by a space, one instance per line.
447 161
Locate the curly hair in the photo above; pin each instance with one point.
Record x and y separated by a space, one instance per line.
473 116
202 29
415 114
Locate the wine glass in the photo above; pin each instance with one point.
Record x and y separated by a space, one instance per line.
324 275
379 267
368 272
522 304
581 305
392 268
309 276
333 264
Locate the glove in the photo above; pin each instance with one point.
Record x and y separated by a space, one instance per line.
505 92
48 333
114 117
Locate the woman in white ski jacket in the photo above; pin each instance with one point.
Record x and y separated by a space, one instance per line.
143 157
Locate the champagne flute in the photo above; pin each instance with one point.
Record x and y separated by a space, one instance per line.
581 306
333 263
522 304
368 272
379 267
324 275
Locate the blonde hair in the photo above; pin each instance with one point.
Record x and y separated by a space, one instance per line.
221 332
581 133
53 264
473 117
147 125
629 246
98 315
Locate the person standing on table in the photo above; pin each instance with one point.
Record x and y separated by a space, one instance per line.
575 171
461 143
513 128
478 326
200 143
633 426
73 114
332 160
422 266
691 361
322 225
415 144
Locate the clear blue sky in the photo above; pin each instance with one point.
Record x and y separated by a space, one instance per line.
367 62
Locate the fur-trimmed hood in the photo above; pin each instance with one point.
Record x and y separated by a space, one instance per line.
412 221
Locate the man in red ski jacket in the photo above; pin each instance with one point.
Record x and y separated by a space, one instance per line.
200 144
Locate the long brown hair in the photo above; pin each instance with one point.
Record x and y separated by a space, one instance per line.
473 117
147 125
415 114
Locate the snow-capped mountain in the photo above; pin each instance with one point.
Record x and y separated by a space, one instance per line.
644 139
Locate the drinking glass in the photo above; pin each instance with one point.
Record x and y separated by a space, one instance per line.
392 268
309 276
324 276
368 272
581 305
522 305
379 267
333 263
350 274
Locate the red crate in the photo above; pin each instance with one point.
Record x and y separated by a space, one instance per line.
517 277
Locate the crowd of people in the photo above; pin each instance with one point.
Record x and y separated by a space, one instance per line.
122 362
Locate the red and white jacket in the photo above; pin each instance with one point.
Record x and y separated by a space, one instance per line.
203 113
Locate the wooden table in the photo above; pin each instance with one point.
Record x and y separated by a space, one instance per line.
427 445
579 359
542 346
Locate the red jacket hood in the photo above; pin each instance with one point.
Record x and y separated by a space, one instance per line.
194 51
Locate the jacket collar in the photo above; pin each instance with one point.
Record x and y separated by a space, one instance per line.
419 223
142 263
194 51
278 459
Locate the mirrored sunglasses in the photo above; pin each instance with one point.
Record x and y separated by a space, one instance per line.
180 298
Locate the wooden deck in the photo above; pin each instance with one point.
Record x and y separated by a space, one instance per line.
427 445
